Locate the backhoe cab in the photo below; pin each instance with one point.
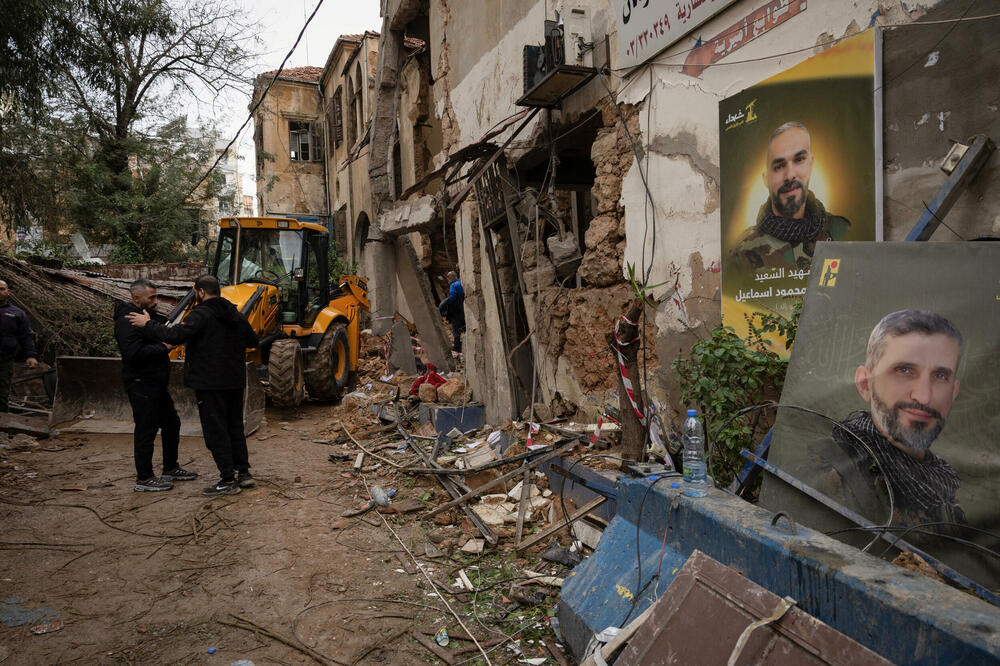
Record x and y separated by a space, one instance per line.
275 271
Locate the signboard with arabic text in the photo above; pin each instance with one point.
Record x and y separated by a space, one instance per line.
646 27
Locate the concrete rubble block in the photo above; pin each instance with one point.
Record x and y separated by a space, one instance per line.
543 275
515 492
427 393
542 413
491 514
408 216
605 146
511 518
602 231
401 353
455 391
474 546
563 250
380 266
419 298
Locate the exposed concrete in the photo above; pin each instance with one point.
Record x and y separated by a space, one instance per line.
380 267
401 353
409 216
416 290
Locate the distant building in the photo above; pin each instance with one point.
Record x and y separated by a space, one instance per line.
290 143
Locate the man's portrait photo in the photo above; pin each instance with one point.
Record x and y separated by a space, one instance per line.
792 219
910 381
799 164
890 405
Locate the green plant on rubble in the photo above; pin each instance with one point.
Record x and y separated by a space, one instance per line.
725 374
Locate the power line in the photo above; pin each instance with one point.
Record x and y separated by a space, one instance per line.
253 108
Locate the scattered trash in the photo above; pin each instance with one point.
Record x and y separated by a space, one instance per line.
474 546
454 433
441 637
242 662
561 555
77 487
380 496
339 457
47 627
12 614
211 650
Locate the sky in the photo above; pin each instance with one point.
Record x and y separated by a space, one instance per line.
281 21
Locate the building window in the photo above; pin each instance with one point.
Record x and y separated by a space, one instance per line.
351 120
335 118
304 141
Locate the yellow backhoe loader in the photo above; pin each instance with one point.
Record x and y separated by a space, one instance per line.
275 271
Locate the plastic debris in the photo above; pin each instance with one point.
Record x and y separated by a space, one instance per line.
442 637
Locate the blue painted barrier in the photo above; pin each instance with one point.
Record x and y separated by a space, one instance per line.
904 616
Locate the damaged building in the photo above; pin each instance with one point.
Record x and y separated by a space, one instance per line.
543 165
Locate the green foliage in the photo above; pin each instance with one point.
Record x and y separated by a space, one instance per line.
637 287
91 139
725 374
339 265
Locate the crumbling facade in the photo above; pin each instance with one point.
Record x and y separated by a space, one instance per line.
289 137
623 171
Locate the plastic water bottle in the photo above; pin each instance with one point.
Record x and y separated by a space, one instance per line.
695 472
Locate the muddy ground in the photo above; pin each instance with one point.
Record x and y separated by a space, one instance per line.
154 578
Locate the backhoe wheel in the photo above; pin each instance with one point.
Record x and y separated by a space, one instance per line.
330 366
285 374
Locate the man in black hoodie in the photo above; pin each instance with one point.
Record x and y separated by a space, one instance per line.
216 336
146 373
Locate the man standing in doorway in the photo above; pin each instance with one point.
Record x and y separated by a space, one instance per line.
216 336
453 308
146 373
15 333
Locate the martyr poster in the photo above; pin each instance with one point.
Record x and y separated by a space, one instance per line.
800 157
894 407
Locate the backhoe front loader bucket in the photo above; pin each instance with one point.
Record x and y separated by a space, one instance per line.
90 398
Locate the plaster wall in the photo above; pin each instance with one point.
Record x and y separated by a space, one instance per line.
286 186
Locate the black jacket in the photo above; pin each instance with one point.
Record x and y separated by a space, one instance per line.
216 337
15 332
142 356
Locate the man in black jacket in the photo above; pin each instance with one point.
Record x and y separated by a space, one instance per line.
146 373
216 336
15 335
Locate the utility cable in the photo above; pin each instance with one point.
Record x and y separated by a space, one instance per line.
256 104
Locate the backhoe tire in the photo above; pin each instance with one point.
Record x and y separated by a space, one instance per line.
330 365
285 374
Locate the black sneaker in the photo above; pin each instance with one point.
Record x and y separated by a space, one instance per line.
152 485
222 488
178 474
245 480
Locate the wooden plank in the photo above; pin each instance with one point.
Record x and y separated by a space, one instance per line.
475 492
561 524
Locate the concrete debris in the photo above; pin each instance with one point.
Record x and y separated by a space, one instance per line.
455 391
474 546
427 393
417 215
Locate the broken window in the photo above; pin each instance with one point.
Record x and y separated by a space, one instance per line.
304 141
335 119
352 135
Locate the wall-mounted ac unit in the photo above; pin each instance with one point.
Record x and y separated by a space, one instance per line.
564 63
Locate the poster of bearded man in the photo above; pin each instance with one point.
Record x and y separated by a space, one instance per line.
800 154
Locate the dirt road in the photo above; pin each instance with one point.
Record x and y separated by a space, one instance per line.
151 578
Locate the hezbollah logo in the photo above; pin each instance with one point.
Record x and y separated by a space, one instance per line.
831 267
751 116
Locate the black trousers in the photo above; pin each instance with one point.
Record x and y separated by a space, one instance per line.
221 413
153 410
457 328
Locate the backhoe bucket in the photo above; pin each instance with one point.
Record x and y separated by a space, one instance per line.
90 398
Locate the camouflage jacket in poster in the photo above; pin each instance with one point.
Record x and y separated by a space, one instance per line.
755 249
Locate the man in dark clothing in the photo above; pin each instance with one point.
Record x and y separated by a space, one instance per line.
216 336
146 373
454 311
15 333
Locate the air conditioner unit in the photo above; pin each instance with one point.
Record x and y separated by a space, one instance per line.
563 64
578 43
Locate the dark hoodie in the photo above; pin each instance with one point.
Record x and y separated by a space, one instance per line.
143 357
216 337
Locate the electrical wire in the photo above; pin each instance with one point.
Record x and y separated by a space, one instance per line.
260 101
919 528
